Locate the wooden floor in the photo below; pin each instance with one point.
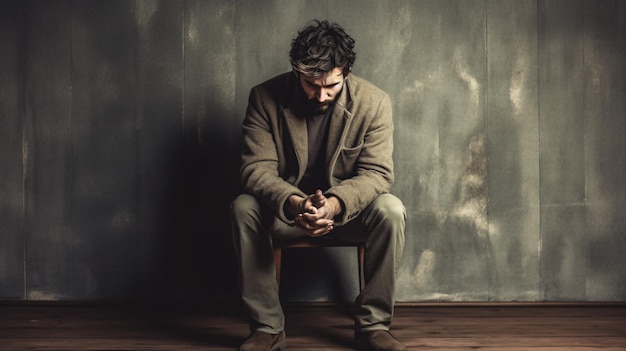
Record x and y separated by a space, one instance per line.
314 327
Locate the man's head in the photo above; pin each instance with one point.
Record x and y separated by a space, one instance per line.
321 47
321 57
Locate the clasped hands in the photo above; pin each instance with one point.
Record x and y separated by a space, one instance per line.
314 214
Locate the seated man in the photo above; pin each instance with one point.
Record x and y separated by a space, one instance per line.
317 160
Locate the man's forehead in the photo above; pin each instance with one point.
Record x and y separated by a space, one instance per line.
330 78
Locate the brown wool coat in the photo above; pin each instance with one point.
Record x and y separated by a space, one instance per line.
359 163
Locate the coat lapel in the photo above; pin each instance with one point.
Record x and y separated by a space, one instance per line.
296 125
339 122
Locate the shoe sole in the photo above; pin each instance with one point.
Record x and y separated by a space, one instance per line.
280 346
281 343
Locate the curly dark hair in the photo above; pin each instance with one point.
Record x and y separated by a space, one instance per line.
320 47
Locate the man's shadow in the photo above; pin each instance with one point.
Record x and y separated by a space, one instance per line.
192 250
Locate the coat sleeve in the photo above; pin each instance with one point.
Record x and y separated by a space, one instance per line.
373 171
259 158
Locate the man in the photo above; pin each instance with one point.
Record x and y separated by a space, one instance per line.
317 160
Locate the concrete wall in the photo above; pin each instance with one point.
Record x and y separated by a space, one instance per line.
120 133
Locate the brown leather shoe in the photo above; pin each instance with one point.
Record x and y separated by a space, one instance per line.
378 340
261 341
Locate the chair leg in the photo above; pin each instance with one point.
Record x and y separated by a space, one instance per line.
278 253
361 258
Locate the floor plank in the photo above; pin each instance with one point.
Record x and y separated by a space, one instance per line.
312 327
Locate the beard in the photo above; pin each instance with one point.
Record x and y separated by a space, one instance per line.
315 106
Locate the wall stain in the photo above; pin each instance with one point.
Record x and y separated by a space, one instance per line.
472 204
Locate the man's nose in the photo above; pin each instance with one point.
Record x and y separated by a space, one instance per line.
322 95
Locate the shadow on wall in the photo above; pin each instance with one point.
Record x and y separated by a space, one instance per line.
194 256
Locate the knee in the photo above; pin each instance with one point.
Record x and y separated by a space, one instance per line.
243 206
388 207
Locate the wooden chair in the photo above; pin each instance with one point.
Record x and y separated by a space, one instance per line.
325 241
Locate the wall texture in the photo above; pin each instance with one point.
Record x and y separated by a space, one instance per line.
120 133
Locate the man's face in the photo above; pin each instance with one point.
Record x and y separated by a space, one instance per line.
321 92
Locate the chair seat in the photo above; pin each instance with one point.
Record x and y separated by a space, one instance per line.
324 241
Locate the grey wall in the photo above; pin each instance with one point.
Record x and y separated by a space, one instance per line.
120 133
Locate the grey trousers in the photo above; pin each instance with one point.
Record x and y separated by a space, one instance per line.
380 226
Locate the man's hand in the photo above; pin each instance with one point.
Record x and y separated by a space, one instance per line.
315 213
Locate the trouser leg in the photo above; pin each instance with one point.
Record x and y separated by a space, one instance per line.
384 222
257 273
